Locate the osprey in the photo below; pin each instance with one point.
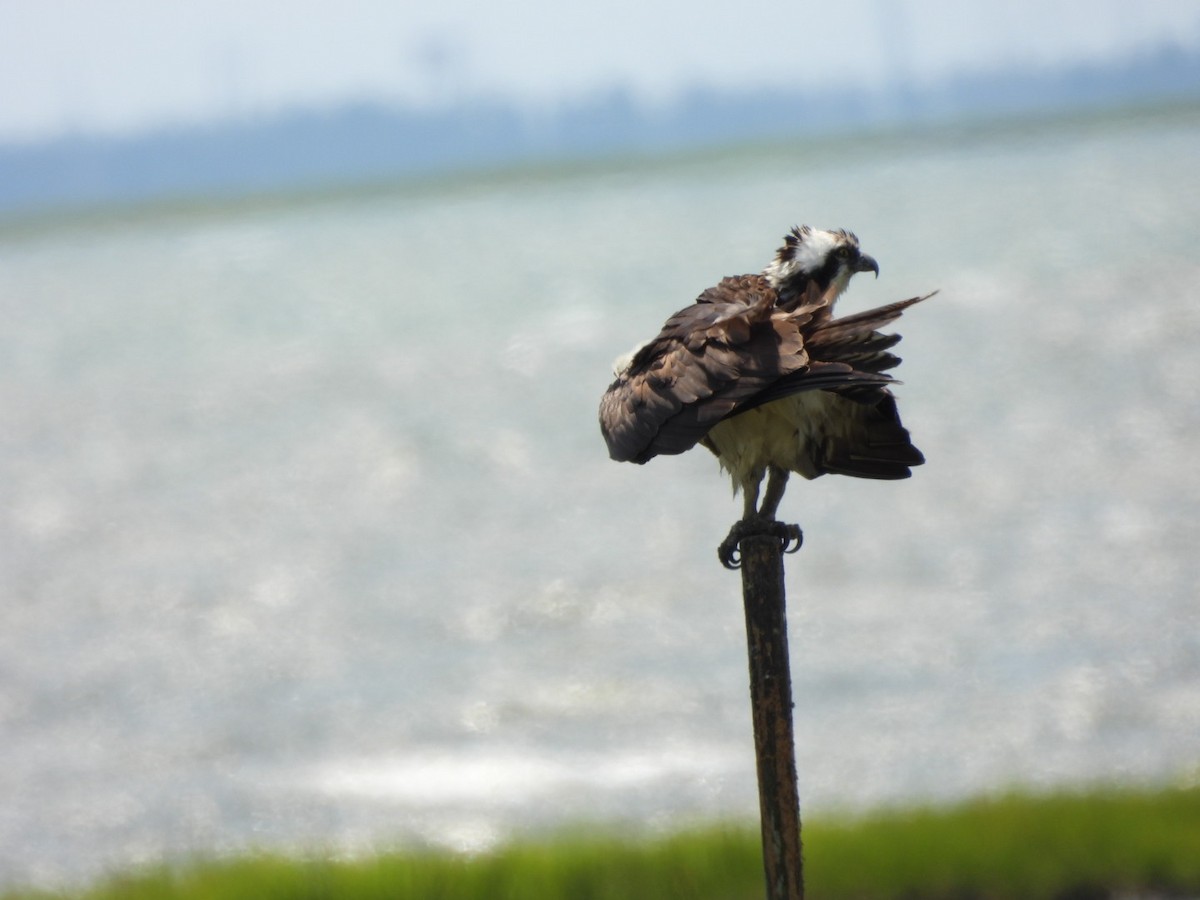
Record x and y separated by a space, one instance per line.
760 372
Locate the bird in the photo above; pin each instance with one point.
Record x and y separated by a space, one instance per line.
759 371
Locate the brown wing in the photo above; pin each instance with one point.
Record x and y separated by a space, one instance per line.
850 436
862 434
711 361
856 339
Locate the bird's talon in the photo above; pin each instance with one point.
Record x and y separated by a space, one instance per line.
729 553
790 539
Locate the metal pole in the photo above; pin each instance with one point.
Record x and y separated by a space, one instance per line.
771 705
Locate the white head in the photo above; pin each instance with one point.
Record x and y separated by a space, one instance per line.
827 257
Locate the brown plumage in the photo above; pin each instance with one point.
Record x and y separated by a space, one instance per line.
760 372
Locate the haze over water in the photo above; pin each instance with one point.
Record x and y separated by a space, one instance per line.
309 537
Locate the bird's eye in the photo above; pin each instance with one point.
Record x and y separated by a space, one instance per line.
842 253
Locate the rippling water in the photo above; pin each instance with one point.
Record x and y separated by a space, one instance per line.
309 537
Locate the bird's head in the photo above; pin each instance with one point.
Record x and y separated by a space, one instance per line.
828 258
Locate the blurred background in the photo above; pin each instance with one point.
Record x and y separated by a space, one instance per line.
308 537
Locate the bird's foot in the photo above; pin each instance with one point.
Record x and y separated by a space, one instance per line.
790 538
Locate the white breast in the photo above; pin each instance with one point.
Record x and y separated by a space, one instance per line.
784 433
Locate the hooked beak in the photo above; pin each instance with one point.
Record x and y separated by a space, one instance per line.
866 264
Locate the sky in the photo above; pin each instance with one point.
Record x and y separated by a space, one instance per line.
123 66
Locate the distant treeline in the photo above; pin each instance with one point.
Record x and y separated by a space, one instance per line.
361 143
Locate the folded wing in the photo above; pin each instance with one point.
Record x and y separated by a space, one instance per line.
734 350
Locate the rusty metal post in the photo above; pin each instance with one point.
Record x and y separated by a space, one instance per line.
771 704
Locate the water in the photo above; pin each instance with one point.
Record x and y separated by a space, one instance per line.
309 539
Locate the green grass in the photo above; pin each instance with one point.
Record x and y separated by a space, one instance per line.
1071 846
1064 845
